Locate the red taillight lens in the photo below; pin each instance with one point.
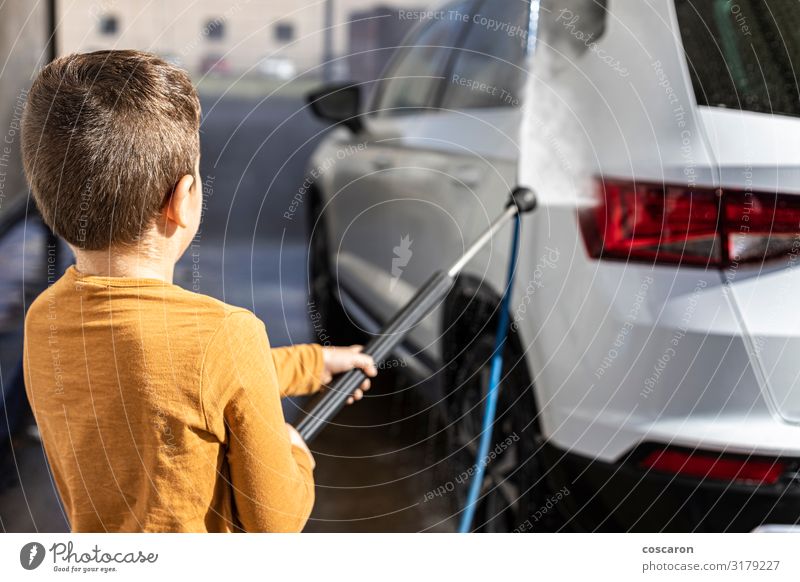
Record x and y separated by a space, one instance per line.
659 223
761 226
715 466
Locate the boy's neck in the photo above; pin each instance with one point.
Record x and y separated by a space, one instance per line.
133 263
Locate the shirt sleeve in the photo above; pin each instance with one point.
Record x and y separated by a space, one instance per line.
271 480
299 368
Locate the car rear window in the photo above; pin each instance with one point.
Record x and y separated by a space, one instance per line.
743 54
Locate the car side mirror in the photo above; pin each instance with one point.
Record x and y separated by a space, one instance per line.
339 103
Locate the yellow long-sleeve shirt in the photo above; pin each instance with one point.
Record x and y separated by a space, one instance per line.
160 409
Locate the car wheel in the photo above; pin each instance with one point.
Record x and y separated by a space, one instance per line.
513 488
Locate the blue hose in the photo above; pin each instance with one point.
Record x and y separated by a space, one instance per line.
490 411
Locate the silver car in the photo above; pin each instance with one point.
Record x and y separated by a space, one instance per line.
652 380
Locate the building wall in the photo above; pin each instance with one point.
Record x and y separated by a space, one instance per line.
178 28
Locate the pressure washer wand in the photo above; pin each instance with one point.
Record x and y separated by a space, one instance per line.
430 294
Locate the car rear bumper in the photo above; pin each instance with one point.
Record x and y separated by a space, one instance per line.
622 496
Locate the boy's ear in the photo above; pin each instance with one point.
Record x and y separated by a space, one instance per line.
178 206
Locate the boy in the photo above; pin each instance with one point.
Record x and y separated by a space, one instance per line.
159 408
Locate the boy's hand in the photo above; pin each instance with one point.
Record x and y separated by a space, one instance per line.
343 359
297 440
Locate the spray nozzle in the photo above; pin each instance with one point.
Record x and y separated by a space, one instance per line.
523 198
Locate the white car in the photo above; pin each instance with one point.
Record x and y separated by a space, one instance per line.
652 377
277 67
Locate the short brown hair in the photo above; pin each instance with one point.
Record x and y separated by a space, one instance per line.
106 136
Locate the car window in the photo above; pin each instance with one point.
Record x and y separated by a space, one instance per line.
743 55
416 74
488 70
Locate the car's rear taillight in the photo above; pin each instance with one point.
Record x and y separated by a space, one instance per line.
661 223
704 465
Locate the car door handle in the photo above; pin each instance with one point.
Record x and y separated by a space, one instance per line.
467 175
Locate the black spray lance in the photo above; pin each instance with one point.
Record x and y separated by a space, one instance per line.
430 294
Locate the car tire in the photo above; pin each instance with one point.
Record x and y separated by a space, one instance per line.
514 488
